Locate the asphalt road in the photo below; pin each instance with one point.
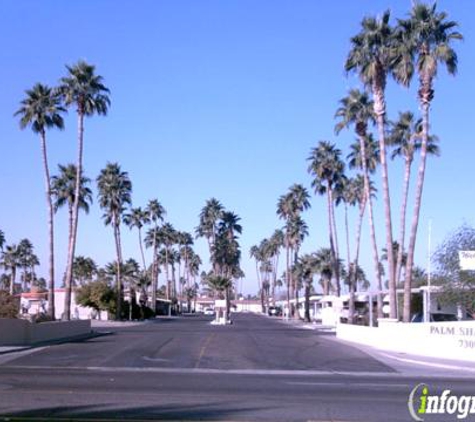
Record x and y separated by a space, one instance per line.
186 369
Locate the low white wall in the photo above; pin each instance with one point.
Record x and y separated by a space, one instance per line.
449 340
20 332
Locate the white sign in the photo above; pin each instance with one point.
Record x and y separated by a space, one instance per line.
467 260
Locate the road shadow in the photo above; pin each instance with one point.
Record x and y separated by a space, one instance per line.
203 412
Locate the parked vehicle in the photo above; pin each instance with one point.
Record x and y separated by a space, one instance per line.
208 311
274 311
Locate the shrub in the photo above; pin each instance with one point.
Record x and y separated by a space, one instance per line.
9 305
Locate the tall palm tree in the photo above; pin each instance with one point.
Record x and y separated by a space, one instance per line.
285 212
327 169
166 235
276 242
185 243
156 213
368 163
298 230
372 57
209 216
256 253
429 38
85 90
63 188
350 197
137 217
2 240
405 137
289 207
41 110
357 109
114 191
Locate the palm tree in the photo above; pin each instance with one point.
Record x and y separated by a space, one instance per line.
429 38
276 242
290 206
209 216
27 260
114 191
298 230
307 267
372 57
324 267
185 242
2 240
85 90
368 163
84 269
166 236
63 188
256 253
11 261
41 110
405 137
350 196
137 218
327 169
357 109
225 251
156 213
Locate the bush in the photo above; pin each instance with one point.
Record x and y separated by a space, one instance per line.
9 305
97 295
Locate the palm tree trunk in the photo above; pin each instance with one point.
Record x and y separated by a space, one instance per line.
72 244
274 277
337 248
425 104
307 302
402 230
141 249
50 227
380 111
374 243
12 280
332 244
166 274
358 237
287 272
402 220
351 304
119 269
154 271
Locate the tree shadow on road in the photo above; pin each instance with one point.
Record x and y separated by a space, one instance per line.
203 412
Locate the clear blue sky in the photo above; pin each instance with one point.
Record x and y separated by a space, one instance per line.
214 99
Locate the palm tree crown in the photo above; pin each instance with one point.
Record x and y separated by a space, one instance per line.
41 109
115 190
63 188
83 88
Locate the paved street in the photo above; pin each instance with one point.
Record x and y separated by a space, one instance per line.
257 369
